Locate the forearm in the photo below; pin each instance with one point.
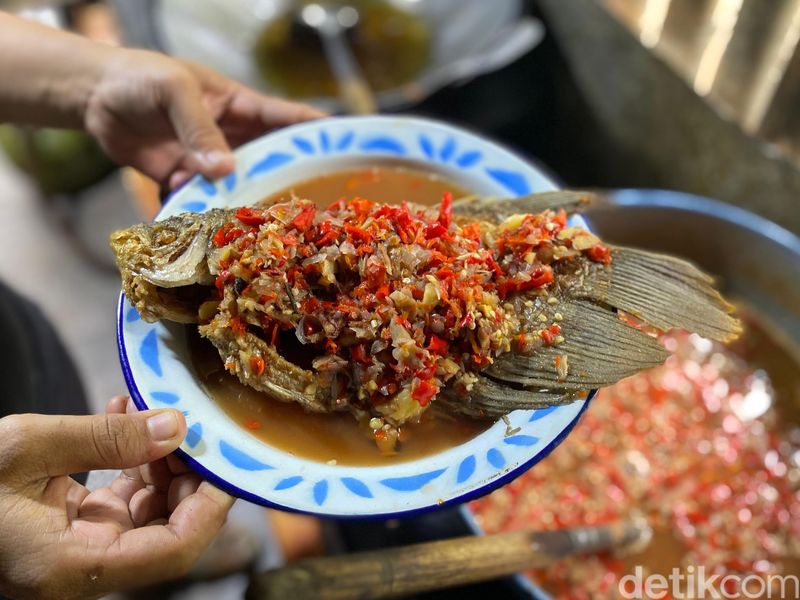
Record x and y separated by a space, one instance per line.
46 75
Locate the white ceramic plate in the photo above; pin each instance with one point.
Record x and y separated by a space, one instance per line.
159 373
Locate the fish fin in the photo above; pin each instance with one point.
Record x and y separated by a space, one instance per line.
280 379
598 349
154 303
495 210
663 291
489 400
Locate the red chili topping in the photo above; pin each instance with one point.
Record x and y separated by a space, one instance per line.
360 355
599 253
437 345
257 364
303 221
238 326
423 392
219 237
394 299
549 335
250 216
446 210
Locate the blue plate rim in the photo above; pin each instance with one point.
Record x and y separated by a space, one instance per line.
256 499
236 491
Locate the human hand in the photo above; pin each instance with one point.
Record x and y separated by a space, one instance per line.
58 540
171 119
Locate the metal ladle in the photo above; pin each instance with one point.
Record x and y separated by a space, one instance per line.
331 23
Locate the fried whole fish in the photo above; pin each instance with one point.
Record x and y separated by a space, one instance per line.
481 308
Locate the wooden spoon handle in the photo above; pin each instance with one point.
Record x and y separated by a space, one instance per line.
357 97
423 567
354 91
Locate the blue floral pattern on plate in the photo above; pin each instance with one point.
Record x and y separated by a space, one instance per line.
158 371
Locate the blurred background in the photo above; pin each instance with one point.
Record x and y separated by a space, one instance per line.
698 96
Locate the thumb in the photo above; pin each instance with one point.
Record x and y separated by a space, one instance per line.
203 142
62 445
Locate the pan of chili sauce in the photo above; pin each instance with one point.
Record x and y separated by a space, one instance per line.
703 446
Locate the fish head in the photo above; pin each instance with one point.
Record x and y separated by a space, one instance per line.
162 262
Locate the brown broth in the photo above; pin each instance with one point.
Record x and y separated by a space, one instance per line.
391 185
336 437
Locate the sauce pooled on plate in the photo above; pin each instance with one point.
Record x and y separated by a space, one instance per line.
329 437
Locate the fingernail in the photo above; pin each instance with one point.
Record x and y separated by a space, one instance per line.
177 179
162 427
216 494
216 158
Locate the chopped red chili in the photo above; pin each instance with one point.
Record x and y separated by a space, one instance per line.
250 216
303 221
233 234
358 233
257 364
549 335
437 345
237 325
599 253
222 279
219 237
397 299
423 392
446 210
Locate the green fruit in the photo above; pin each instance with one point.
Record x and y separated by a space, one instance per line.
59 160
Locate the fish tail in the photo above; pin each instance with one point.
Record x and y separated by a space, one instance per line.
663 291
596 348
